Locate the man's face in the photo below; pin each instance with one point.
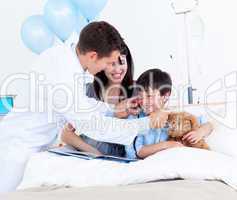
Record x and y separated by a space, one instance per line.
99 64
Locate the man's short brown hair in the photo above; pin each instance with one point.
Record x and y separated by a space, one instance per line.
100 37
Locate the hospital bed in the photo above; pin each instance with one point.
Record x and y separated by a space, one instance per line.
164 189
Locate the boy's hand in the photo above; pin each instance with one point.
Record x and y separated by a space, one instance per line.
158 119
193 137
172 144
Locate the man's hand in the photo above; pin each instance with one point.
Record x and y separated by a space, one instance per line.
127 107
158 119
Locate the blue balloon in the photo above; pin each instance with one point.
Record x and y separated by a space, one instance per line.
36 35
90 8
81 22
61 16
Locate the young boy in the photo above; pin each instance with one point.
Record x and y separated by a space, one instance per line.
154 88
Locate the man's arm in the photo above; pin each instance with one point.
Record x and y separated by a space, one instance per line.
107 129
87 115
94 123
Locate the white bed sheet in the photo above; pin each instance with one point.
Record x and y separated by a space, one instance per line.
46 169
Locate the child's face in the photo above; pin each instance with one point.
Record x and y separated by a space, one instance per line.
152 101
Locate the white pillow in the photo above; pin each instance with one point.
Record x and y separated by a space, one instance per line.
223 116
223 140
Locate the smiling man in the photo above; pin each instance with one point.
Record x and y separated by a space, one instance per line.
63 71
67 68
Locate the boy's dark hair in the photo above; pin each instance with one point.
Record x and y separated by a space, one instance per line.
100 37
155 79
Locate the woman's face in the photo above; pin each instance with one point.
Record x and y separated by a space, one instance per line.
117 71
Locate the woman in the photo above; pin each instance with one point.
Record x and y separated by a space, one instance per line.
113 85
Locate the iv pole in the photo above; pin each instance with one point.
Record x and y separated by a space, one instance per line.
185 14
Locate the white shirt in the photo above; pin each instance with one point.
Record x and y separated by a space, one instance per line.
60 66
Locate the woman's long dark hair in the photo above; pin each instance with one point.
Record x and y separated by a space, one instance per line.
101 79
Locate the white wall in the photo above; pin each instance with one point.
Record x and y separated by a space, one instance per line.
15 58
151 30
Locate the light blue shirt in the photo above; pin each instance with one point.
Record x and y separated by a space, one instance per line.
149 137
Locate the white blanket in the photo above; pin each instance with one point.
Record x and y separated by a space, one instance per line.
49 169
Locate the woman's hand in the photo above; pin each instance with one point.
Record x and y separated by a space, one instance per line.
127 107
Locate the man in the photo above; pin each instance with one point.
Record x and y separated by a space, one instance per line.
63 100
65 68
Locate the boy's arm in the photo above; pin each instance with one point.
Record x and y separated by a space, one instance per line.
195 136
69 137
206 129
149 150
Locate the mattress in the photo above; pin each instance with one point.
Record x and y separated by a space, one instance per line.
168 190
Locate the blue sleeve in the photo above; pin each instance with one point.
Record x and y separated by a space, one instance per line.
139 143
202 119
164 135
109 113
135 147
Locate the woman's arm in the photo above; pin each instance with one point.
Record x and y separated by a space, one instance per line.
69 137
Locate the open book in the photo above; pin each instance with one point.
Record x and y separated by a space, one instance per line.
70 151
